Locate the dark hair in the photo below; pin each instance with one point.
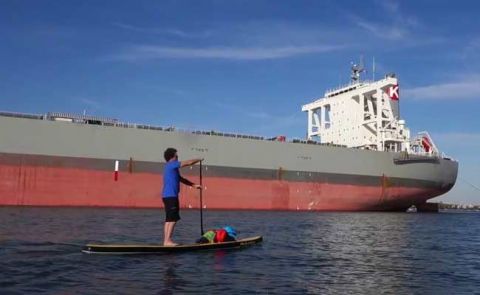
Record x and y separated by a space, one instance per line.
169 153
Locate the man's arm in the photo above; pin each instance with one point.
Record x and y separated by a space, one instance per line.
186 181
189 183
190 162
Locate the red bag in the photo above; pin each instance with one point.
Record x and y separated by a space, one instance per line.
220 236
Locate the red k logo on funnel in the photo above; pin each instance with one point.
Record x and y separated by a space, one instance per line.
393 92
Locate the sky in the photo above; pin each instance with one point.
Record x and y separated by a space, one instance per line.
246 66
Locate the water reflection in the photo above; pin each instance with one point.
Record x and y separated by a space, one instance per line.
171 280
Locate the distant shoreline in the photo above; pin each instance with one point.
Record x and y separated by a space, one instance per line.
458 206
459 210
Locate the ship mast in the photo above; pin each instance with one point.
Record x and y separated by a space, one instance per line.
356 71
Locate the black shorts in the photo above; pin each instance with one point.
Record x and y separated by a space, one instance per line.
172 209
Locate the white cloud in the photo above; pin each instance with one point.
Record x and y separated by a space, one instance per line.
466 89
393 32
253 40
165 31
150 52
397 26
263 40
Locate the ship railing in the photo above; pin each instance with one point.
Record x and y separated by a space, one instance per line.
425 154
115 123
415 154
218 133
313 142
226 134
22 115
94 120
185 130
346 87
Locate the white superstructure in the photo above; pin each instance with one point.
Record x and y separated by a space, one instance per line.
364 114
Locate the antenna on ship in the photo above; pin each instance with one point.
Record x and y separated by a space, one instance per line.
357 70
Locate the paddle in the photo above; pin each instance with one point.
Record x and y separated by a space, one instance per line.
201 199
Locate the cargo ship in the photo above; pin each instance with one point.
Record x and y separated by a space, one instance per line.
358 156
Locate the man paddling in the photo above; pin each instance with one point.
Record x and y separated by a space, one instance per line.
171 189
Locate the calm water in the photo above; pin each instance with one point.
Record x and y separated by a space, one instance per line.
346 253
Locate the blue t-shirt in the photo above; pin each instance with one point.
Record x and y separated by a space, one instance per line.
171 180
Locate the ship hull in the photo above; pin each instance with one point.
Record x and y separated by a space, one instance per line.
46 163
35 180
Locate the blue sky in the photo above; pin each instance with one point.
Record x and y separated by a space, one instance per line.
245 66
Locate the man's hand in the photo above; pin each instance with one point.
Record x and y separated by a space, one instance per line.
197 186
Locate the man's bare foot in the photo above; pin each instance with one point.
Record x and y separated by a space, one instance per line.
170 243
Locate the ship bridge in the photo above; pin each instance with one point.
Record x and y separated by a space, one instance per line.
366 115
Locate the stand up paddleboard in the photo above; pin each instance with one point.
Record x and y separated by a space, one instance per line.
157 249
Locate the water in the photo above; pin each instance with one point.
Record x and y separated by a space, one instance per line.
327 253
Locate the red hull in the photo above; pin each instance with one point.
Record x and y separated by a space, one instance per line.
57 186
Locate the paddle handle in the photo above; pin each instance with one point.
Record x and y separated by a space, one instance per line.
201 199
